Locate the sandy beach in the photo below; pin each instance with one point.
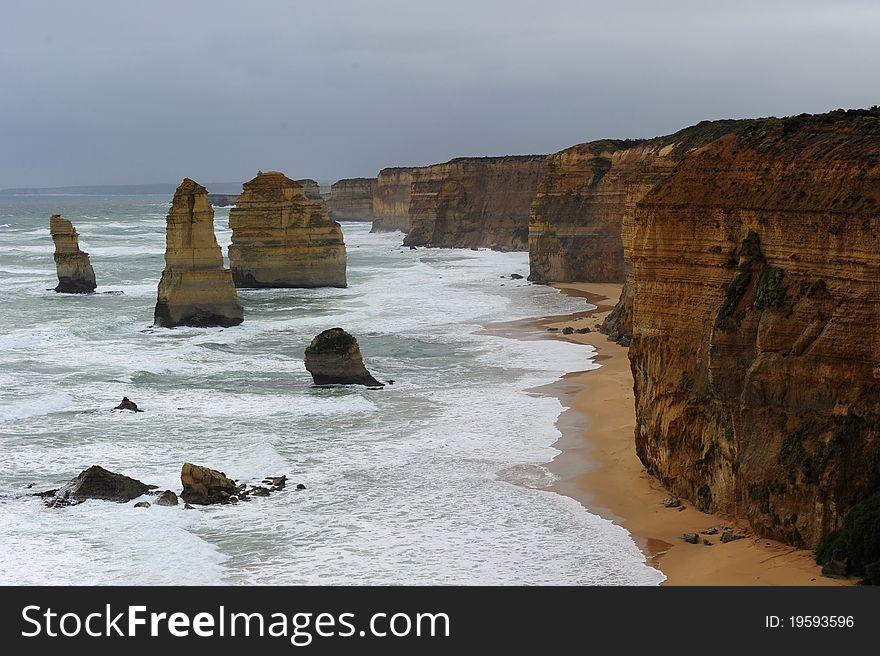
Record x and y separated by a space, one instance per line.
598 467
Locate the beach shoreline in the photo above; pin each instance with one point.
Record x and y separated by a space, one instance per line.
598 467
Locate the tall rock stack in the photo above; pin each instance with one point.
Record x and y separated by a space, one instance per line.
195 289
75 273
391 198
282 238
352 199
312 188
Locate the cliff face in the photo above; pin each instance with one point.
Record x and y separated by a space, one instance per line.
755 308
391 198
352 199
578 214
281 238
195 289
474 202
75 273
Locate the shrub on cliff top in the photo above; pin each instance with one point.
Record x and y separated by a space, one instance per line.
857 542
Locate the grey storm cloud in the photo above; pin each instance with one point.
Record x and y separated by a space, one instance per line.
104 92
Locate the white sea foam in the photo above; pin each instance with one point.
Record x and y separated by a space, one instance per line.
435 479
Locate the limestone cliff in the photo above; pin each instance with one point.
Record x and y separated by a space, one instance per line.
578 213
391 197
755 308
282 238
75 273
351 199
195 289
472 202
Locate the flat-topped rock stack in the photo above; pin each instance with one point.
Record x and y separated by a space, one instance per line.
391 198
195 289
75 273
282 238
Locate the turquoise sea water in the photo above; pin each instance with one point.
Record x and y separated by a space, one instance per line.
431 480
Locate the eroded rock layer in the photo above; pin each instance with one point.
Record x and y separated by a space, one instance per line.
473 202
351 199
391 198
282 238
75 273
195 289
578 214
755 307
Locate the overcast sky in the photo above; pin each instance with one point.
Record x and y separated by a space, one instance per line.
107 92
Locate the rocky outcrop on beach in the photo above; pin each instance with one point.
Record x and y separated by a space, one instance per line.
204 486
97 483
474 202
578 216
195 289
351 199
391 198
282 238
334 358
754 312
75 273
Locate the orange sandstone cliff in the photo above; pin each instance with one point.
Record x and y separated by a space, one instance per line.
578 213
755 305
473 202
351 199
391 197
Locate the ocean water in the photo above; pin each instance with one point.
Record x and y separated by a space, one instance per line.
431 480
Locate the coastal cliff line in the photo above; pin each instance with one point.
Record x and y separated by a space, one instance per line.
351 199
391 198
578 215
754 306
474 202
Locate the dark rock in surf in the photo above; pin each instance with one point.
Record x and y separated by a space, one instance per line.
98 483
127 404
334 358
167 498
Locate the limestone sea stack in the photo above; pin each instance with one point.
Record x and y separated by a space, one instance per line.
195 289
473 202
282 238
755 308
75 273
334 358
391 199
351 199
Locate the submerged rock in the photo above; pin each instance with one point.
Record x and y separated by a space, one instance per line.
195 289
127 404
283 238
75 273
334 358
142 504
98 483
205 486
